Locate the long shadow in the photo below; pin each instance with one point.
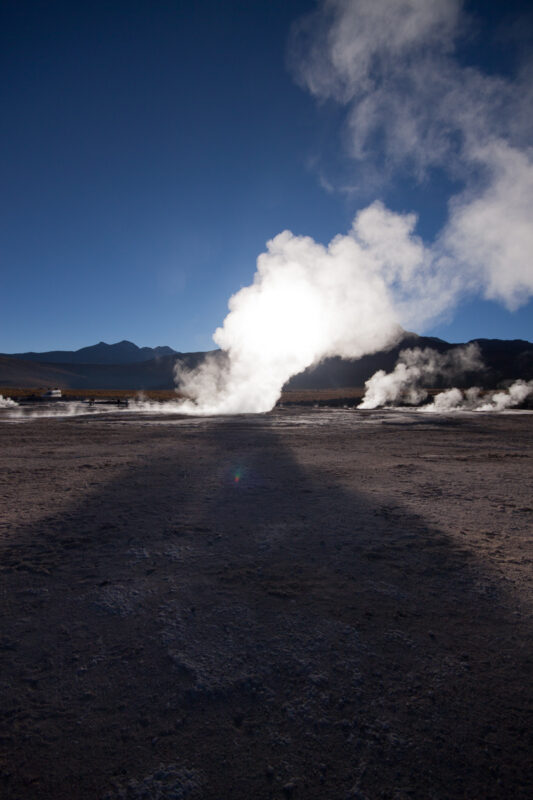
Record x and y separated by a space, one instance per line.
228 620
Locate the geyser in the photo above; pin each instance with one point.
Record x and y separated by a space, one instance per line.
410 106
414 368
307 302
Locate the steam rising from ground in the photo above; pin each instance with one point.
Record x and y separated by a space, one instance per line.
391 65
48 410
447 401
411 108
308 302
414 368
77 408
473 400
7 402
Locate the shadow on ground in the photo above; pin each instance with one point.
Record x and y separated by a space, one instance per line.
225 622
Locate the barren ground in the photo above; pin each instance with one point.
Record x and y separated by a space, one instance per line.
306 604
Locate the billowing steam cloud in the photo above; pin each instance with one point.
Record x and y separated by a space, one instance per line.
308 302
416 367
472 399
391 64
7 402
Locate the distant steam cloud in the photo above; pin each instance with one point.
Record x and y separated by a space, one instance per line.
453 400
49 410
514 396
391 64
416 367
472 399
7 402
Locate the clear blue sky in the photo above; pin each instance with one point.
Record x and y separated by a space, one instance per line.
148 151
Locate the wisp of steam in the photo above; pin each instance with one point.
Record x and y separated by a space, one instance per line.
416 368
392 66
472 399
7 402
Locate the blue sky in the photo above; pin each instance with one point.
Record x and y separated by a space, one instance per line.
149 150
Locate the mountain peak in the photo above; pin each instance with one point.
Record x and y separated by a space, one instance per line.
124 352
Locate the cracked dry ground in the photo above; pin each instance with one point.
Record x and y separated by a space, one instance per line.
317 604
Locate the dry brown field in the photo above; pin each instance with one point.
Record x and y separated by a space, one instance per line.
86 394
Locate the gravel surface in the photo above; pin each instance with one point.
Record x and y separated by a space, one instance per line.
304 604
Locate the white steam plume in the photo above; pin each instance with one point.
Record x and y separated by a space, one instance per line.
7 402
412 106
308 302
451 400
514 396
392 65
51 410
416 367
472 400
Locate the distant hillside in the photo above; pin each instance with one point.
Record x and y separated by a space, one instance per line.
155 374
336 373
120 353
504 361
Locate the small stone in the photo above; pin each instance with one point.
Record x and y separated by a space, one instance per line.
289 788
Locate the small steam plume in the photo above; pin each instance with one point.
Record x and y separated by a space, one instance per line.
471 399
411 107
514 396
416 367
49 410
7 402
455 400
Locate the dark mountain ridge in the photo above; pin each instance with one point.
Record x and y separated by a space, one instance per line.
123 352
504 360
158 373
